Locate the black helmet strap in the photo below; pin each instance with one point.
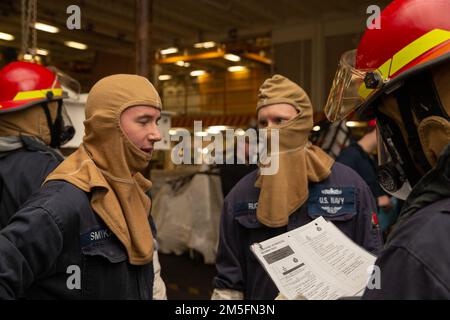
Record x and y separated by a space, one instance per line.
55 127
397 148
406 112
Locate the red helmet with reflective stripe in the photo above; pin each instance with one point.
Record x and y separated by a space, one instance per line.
411 31
413 35
24 84
397 74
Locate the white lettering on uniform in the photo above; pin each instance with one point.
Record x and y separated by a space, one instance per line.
253 206
98 235
335 200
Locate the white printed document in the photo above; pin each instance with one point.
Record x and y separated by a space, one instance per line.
317 261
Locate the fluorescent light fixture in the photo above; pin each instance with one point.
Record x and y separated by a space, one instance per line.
206 45
316 128
237 68
197 73
232 57
46 27
201 134
42 52
181 63
164 77
76 45
169 50
6 36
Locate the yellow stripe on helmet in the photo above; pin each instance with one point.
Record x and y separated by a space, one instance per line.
418 47
36 94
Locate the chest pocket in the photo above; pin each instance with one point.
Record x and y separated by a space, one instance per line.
105 269
332 203
245 215
102 242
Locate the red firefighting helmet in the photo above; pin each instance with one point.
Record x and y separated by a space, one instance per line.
24 84
413 35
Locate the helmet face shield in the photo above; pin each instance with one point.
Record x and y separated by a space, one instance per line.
67 130
349 90
71 86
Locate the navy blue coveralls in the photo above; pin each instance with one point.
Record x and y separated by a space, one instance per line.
22 172
415 262
57 247
237 267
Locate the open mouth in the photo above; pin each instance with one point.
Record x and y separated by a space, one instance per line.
147 150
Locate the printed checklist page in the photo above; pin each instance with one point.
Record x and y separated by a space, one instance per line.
316 261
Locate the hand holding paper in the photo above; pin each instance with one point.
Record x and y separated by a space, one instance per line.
316 261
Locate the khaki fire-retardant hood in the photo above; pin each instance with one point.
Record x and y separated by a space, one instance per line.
434 132
107 164
28 122
279 89
299 161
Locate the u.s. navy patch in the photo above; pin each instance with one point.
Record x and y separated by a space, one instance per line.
331 202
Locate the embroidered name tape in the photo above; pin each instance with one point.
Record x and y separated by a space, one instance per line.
244 207
95 236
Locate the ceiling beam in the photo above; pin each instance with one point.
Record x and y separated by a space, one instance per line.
217 13
254 9
182 19
103 21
